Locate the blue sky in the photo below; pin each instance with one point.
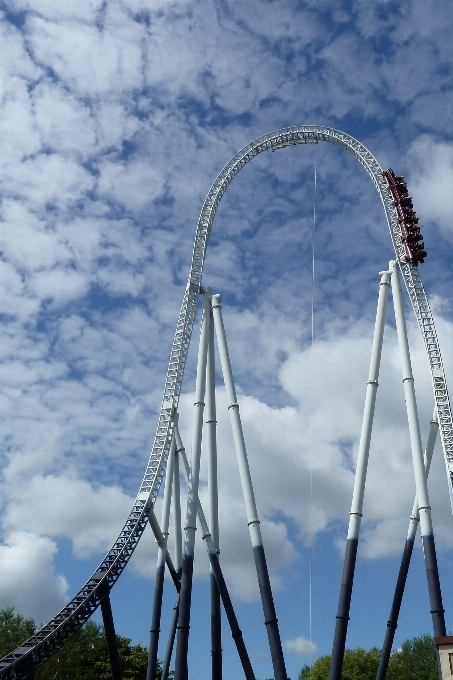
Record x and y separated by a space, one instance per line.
117 116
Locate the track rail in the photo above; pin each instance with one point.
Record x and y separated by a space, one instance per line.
47 641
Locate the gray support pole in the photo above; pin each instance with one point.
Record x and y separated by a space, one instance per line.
182 641
426 527
112 646
211 445
270 617
177 516
171 641
178 564
392 623
161 542
160 569
355 516
236 632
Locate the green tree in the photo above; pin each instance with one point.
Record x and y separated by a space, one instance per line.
416 660
360 664
84 656
319 670
14 629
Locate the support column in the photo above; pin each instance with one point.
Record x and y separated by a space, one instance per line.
211 446
161 542
182 641
424 507
177 516
355 515
392 623
112 646
270 618
236 632
160 569
171 641
178 564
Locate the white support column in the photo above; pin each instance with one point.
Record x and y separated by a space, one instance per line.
211 442
168 488
215 565
428 456
421 486
233 408
192 497
392 622
177 514
355 516
267 600
211 446
160 540
160 569
197 429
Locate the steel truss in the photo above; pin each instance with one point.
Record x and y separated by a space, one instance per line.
46 642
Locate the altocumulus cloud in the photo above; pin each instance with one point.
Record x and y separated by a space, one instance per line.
116 119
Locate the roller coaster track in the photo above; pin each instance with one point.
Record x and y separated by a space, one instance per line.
47 641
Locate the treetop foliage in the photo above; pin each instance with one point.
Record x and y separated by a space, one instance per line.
84 656
415 660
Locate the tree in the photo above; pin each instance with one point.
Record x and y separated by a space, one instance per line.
14 629
319 670
84 656
416 660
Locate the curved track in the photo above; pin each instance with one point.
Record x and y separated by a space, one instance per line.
53 636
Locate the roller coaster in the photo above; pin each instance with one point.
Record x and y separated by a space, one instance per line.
168 449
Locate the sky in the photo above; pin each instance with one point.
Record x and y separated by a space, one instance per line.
116 118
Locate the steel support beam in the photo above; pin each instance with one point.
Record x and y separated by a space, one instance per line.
182 641
236 632
355 516
211 446
112 646
160 569
161 542
392 622
267 600
177 516
171 641
421 486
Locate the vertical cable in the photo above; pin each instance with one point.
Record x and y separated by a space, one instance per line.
311 390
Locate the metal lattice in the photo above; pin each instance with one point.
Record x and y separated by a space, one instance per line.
46 642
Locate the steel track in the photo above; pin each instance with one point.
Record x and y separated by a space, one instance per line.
52 637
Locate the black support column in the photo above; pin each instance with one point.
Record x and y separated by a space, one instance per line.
112 645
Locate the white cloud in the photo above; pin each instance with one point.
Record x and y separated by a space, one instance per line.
431 182
27 243
300 647
91 517
114 124
48 179
64 122
29 583
13 302
59 285
85 10
134 184
21 136
88 60
16 62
